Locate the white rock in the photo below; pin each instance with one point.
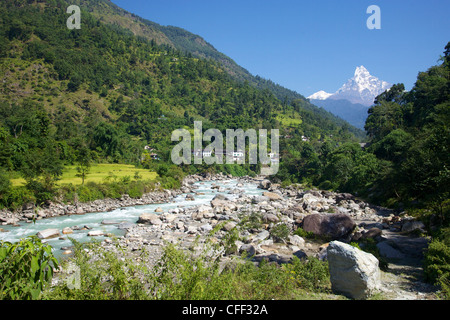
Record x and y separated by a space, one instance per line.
353 272
95 233
48 234
297 240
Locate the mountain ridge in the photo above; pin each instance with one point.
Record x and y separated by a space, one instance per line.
185 41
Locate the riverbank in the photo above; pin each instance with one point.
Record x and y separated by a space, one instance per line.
266 226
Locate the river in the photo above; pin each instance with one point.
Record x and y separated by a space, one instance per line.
204 193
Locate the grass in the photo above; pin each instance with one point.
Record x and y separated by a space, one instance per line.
289 121
98 173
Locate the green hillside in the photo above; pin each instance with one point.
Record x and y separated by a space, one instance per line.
195 45
103 93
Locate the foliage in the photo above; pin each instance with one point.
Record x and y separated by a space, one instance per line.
280 232
186 275
114 190
103 276
26 269
437 265
305 234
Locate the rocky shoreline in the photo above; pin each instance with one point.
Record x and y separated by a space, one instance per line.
29 212
266 225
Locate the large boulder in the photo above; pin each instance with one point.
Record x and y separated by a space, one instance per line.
353 272
334 226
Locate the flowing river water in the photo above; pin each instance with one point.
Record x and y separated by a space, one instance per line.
108 221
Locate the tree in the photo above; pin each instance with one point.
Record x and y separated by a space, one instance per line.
84 163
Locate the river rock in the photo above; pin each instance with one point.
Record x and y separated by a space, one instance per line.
206 227
159 209
260 199
96 233
190 197
413 225
223 205
296 240
146 218
353 272
110 222
387 251
248 249
334 226
156 222
67 230
48 234
125 225
270 217
263 235
272 196
191 230
265 184
229 226
372 233
220 197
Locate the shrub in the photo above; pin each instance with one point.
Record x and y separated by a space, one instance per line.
437 265
26 268
310 274
103 275
187 275
17 196
305 234
280 232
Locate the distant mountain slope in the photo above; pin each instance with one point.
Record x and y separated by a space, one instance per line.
354 113
185 41
103 73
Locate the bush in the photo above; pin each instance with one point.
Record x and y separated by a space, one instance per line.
305 234
17 196
26 268
187 275
437 265
310 274
103 275
280 232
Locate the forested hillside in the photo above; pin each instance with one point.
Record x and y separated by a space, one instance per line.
101 93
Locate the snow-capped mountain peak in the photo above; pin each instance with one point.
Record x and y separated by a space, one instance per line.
321 95
363 88
361 71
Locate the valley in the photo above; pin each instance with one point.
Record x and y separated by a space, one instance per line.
87 117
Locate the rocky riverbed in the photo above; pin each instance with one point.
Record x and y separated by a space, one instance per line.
266 224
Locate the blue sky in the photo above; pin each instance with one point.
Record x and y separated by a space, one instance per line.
312 45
